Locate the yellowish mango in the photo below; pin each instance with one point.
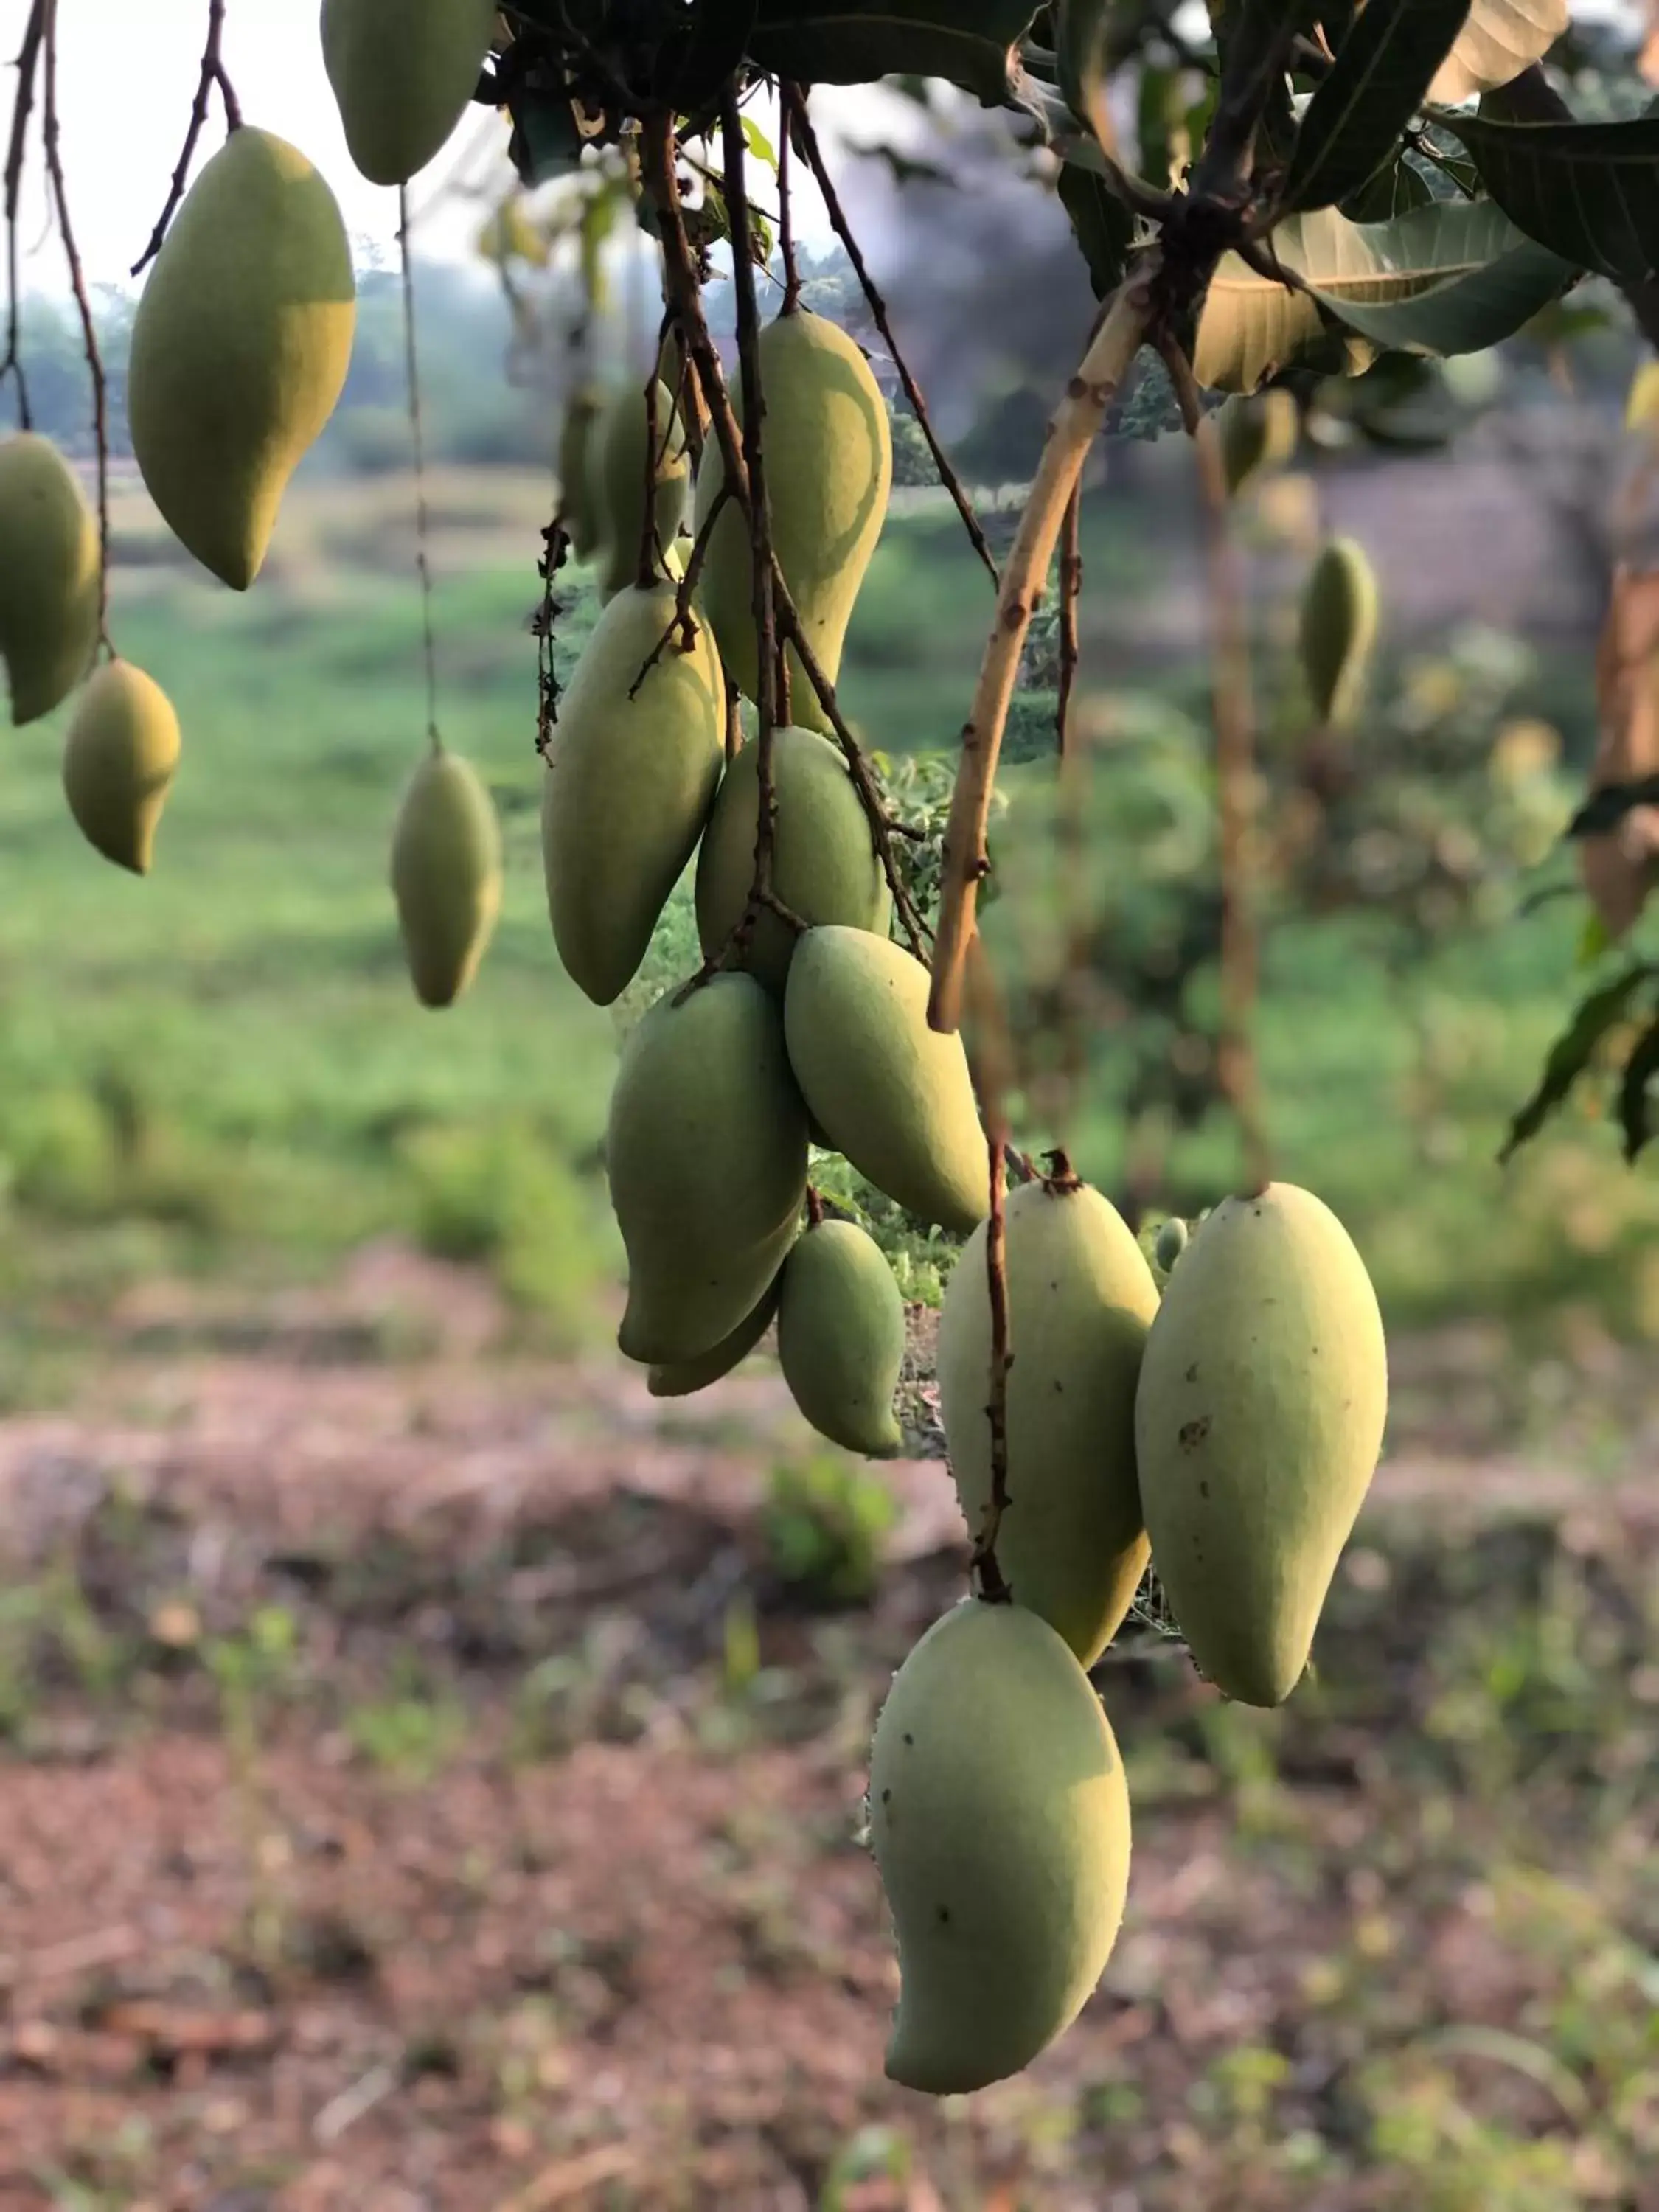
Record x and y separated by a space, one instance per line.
402 72
1071 1545
841 1337
119 757
49 578
1259 432
1338 629
892 1095
830 470
706 1150
999 1820
824 864
625 436
445 875
628 785
240 347
1259 1418
681 1378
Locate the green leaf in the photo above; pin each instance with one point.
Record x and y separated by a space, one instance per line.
1353 122
971 42
1501 38
1587 191
1452 277
1082 26
759 144
1396 189
1572 1053
1636 1114
1103 226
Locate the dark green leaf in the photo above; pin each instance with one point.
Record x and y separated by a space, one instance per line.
547 141
1636 1114
1587 191
1396 189
695 63
971 42
1606 809
1082 56
1103 226
1571 1053
1352 123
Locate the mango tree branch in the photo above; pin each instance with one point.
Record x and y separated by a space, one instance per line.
1073 429
28 55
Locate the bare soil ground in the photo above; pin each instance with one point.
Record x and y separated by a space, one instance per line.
439 1786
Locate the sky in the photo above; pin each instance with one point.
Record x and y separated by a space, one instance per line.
127 76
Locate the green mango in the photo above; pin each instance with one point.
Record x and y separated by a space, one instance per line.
824 863
628 785
681 1378
445 875
1338 629
1071 1545
706 1150
118 760
583 411
999 1820
829 471
1259 431
402 73
892 1096
1171 1242
240 347
1259 1418
841 1337
620 482
49 576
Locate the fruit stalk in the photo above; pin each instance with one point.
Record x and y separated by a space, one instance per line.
49 134
1229 662
28 55
417 445
1071 590
1072 428
657 157
800 127
212 72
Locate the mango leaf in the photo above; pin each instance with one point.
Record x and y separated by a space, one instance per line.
971 42
1396 189
1636 1114
1382 70
1081 28
1572 1051
1501 38
1587 191
1103 226
1452 277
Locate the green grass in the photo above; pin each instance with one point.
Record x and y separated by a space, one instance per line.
221 1069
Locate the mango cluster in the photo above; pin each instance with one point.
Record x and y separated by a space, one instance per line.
1221 1426
806 1026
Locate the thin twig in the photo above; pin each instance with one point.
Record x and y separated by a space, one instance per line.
798 120
646 571
992 1070
212 72
657 139
88 329
1070 590
684 619
787 219
28 55
1072 431
422 519
1236 1066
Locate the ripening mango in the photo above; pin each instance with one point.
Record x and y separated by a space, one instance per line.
1259 1418
829 471
681 1379
824 864
706 1150
841 1337
628 785
1071 1544
1171 1242
624 438
120 757
240 347
1338 631
892 1095
445 875
49 576
999 1820
1259 431
402 72
584 409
